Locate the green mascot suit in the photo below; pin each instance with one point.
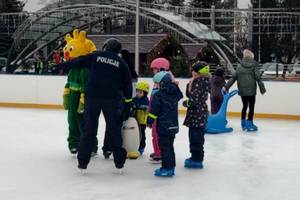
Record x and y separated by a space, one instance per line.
73 96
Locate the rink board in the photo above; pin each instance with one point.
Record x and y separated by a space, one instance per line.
35 91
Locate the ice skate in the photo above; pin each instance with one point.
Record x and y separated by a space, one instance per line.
141 151
82 171
152 155
73 151
155 159
93 154
251 126
244 124
119 171
189 163
164 172
106 154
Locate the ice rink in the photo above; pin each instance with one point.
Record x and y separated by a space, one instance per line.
35 164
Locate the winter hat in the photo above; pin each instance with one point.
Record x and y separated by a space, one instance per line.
248 54
162 75
219 72
201 67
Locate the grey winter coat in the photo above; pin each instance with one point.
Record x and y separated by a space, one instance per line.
247 75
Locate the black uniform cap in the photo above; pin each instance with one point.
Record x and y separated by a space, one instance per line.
112 45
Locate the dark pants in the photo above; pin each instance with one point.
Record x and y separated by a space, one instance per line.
216 103
106 142
248 101
166 146
196 137
112 116
143 136
76 122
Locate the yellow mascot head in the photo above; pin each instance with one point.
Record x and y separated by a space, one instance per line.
77 46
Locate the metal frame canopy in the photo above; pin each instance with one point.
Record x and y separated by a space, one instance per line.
57 19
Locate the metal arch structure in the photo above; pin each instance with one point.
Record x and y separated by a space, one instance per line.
54 21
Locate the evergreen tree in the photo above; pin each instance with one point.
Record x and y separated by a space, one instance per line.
291 4
8 23
205 3
275 42
227 4
147 1
264 4
11 6
177 2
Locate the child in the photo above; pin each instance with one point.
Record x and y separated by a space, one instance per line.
197 113
140 104
157 65
216 96
164 109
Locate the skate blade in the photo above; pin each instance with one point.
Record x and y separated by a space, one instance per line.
93 155
155 161
74 155
82 172
119 172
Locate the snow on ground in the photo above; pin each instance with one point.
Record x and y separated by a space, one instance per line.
35 164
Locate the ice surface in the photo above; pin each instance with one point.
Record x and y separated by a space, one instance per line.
35 164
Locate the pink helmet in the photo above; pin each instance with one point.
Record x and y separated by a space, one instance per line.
160 63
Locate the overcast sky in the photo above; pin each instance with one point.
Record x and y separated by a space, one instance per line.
34 5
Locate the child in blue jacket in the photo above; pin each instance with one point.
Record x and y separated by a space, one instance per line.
164 109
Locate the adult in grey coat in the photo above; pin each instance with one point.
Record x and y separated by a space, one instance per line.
247 77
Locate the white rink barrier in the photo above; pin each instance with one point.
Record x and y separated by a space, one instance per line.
282 98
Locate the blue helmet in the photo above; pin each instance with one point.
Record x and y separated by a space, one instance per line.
160 75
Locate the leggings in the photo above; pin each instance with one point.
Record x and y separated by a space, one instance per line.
248 101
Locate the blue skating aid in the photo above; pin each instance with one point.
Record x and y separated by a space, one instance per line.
216 123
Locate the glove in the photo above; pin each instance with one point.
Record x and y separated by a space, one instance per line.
132 113
134 105
187 103
150 120
66 98
127 108
80 108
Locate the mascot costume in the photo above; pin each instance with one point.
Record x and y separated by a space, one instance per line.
73 96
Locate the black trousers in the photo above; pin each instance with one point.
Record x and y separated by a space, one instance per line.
248 101
196 138
106 142
112 115
143 136
167 153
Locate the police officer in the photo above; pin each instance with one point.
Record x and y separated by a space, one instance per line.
108 90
